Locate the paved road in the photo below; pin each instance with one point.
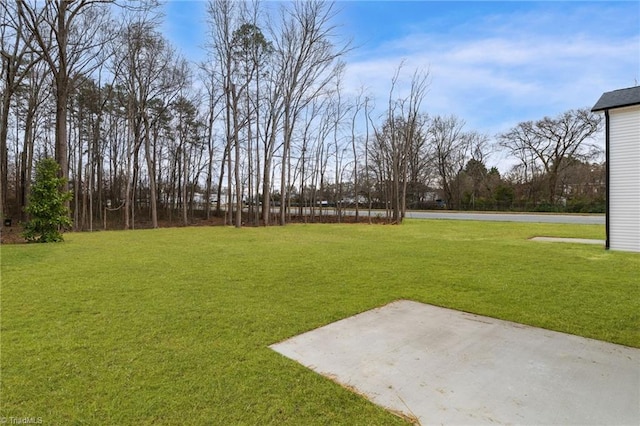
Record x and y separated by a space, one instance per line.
498 217
576 219
511 217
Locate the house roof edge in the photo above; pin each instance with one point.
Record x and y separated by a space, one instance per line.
618 99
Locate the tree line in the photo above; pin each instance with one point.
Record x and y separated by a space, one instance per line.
260 131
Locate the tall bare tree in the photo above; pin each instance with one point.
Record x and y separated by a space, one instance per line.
400 132
18 58
250 51
307 62
554 143
359 103
449 147
150 71
34 96
413 135
227 43
68 34
208 78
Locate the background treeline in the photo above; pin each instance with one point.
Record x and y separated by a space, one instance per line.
262 130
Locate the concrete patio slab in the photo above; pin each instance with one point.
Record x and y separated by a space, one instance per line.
441 366
569 240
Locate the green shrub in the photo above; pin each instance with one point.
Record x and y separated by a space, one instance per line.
48 213
586 205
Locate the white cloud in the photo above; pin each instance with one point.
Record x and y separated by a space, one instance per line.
510 74
502 70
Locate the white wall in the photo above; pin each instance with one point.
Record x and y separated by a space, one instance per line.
624 179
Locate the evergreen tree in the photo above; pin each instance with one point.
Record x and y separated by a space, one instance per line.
48 215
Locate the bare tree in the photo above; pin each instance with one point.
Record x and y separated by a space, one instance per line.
212 98
188 150
449 148
412 136
68 34
152 74
367 118
251 50
305 169
36 95
339 110
228 45
359 104
269 128
475 174
553 143
18 58
394 141
307 61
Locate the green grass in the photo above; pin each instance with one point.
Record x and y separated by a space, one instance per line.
172 326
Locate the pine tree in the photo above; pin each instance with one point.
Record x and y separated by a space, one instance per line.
48 215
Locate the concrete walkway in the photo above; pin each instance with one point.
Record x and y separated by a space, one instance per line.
440 366
569 240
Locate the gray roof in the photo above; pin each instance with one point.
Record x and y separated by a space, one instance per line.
618 99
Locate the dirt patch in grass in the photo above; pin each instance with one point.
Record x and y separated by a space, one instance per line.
12 234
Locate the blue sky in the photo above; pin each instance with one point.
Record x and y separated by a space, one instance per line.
493 64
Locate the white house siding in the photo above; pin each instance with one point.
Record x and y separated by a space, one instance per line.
624 179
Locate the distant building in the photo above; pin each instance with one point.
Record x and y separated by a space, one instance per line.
622 138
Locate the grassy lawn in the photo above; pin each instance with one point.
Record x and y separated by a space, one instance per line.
172 326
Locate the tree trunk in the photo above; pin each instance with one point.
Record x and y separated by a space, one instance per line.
185 178
4 161
221 180
236 142
284 184
61 147
61 75
266 179
152 175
